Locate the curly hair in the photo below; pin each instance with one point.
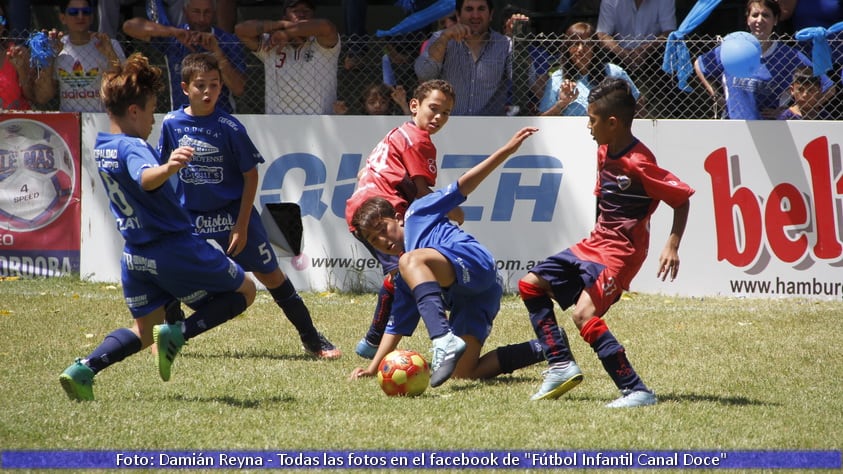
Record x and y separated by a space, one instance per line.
132 84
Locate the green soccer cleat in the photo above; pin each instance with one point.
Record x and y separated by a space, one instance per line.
558 381
169 339
78 381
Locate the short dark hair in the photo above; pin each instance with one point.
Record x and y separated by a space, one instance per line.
490 4
613 96
372 211
196 63
773 5
805 75
132 84
441 85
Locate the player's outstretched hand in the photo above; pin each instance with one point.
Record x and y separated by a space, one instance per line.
180 157
359 373
517 139
668 263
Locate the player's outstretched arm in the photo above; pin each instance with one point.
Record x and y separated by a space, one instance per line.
388 344
669 258
473 177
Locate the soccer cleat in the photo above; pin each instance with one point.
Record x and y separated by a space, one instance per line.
78 381
321 348
169 339
634 398
447 351
365 349
558 381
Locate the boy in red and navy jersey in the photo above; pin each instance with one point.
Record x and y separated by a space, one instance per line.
592 274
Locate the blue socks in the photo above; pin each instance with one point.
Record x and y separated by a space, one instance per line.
428 297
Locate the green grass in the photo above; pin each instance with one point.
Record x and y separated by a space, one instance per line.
731 374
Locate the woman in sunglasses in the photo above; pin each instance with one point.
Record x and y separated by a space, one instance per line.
16 89
82 57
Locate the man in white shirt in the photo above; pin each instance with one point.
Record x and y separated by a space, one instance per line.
300 57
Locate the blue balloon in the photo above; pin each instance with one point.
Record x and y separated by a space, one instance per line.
740 54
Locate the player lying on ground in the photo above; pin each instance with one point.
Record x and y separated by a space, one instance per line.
438 259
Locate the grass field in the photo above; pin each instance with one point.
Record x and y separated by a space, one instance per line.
731 374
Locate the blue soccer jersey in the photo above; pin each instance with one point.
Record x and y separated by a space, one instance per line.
474 297
162 258
141 216
223 151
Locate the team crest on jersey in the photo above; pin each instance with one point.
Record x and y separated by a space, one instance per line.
624 182
200 148
609 286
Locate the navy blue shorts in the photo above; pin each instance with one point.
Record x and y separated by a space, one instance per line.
568 276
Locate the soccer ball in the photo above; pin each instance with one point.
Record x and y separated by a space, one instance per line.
403 372
37 175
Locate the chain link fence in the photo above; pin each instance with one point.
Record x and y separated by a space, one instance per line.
535 58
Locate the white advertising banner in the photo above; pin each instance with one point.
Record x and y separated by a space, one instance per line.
765 220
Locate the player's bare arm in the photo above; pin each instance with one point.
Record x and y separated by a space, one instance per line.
473 177
145 30
669 258
251 31
239 234
388 344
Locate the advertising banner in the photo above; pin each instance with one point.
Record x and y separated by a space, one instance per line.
766 219
39 194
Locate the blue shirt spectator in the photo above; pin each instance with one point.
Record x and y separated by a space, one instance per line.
473 58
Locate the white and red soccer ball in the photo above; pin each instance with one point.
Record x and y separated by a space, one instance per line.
403 373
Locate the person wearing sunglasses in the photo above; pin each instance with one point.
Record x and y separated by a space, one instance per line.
82 57
16 89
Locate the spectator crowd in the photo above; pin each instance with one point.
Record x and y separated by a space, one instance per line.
502 59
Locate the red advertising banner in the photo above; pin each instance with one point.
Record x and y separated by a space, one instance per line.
40 210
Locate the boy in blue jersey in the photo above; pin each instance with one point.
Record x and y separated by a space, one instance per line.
438 259
220 184
163 261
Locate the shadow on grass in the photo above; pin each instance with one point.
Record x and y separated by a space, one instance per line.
705 398
237 402
247 354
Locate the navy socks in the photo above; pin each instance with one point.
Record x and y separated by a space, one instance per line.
118 345
290 302
216 311
428 297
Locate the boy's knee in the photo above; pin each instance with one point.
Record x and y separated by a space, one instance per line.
528 287
248 290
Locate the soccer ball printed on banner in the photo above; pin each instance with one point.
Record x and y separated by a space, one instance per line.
36 175
403 372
